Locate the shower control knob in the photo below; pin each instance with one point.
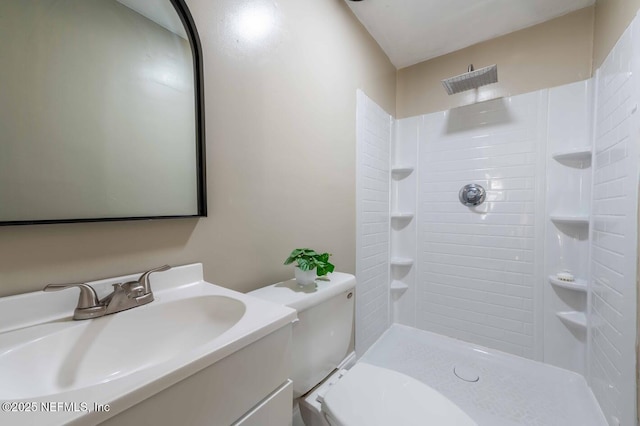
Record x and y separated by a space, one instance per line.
472 195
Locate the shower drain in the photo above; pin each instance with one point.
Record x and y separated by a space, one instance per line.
467 374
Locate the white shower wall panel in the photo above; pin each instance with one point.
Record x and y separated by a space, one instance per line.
478 267
611 357
373 155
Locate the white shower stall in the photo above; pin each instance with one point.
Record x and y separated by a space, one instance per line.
560 169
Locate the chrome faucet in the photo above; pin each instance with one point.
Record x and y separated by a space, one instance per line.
124 296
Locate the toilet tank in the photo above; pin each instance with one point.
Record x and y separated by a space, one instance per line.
323 335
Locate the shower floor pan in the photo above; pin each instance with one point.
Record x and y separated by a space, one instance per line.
492 387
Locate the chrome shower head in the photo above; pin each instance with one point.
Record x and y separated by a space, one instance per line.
471 79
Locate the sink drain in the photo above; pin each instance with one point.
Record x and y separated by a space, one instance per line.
467 374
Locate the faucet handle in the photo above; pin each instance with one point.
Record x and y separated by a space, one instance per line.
88 297
88 304
144 278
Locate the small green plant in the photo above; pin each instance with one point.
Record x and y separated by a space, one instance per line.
308 259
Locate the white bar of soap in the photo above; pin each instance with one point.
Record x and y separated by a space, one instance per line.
565 276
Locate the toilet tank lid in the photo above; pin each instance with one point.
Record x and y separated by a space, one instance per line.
290 294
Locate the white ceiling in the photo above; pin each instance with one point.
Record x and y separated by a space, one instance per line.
159 11
412 31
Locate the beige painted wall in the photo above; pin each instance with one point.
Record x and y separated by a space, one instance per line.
546 55
612 17
280 116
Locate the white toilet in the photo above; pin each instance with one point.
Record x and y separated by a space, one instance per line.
329 386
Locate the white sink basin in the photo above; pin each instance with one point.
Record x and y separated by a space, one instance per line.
136 353
47 362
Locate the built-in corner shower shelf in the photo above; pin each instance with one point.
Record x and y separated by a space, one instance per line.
398 288
401 261
402 170
402 215
577 285
582 154
573 318
575 219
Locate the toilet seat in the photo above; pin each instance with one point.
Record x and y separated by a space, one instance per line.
373 396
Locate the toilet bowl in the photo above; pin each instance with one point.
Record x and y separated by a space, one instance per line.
329 389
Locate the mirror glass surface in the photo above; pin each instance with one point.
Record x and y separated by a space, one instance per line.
100 111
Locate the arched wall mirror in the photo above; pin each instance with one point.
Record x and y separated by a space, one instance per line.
101 111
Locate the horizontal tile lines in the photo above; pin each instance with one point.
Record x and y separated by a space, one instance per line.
464 160
484 325
614 234
465 181
606 215
375 176
598 183
602 382
376 151
367 167
374 184
429 208
603 136
610 148
483 278
491 213
606 137
427 174
602 182
614 112
382 191
454 206
376 200
374 298
605 302
426 292
479 235
479 153
612 290
617 78
597 262
372 326
499 139
374 306
456 202
507 172
458 180
478 224
599 357
462 168
373 315
477 246
480 257
527 274
613 197
607 287
369 269
376 140
605 338
615 253
624 98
